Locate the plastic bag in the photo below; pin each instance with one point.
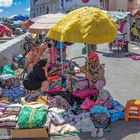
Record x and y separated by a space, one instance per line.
84 50
7 70
32 118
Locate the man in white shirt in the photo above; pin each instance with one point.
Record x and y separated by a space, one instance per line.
126 31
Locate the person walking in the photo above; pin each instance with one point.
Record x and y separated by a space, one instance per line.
126 31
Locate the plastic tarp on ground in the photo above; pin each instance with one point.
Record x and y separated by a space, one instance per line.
117 15
44 23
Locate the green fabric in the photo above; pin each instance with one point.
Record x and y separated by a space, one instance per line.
37 117
7 70
84 50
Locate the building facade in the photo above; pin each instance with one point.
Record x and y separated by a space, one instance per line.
123 5
69 5
42 7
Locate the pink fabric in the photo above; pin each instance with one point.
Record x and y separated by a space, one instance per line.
135 57
85 93
121 26
119 42
53 78
56 88
53 55
87 104
100 84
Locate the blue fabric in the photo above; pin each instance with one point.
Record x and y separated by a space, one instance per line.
13 93
117 116
99 109
58 45
114 103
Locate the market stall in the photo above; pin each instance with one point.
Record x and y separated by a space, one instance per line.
71 103
44 23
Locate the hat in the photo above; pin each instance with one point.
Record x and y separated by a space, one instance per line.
93 55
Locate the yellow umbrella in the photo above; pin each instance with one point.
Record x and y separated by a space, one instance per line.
84 25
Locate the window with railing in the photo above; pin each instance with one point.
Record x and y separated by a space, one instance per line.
34 1
40 9
43 9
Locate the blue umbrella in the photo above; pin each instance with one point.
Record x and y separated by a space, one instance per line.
19 17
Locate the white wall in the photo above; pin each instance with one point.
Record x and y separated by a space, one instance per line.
10 48
122 5
115 5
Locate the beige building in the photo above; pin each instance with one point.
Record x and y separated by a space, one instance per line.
123 5
69 5
41 7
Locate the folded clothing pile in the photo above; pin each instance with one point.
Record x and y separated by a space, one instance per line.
11 87
13 93
8 116
9 81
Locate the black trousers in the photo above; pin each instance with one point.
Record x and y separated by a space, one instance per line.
126 46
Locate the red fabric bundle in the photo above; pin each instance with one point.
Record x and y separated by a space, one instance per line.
85 1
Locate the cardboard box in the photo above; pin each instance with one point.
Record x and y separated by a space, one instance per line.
29 133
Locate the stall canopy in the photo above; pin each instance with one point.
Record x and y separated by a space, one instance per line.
117 15
84 25
27 24
44 23
4 30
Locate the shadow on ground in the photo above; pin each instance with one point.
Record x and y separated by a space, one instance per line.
120 130
117 54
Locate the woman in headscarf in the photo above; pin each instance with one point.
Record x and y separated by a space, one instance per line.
95 72
37 79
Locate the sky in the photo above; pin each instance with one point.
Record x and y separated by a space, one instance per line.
12 7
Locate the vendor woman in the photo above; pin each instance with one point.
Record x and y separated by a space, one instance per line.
95 72
37 78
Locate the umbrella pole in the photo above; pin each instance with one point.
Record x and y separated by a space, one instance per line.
53 53
61 53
